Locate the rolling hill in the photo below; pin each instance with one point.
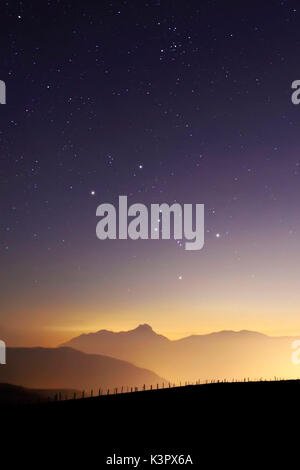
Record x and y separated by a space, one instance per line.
66 368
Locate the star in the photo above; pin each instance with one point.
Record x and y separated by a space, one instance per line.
93 192
218 235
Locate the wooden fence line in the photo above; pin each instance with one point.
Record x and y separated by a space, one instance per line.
118 391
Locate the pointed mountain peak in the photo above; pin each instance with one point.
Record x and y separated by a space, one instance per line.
144 327
145 332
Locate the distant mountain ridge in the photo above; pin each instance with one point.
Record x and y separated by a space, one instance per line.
142 330
146 330
67 368
219 354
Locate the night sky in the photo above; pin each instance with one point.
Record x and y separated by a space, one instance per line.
161 101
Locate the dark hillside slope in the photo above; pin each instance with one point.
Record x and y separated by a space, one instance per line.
217 423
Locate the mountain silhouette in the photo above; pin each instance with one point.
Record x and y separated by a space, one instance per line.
67 368
224 354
